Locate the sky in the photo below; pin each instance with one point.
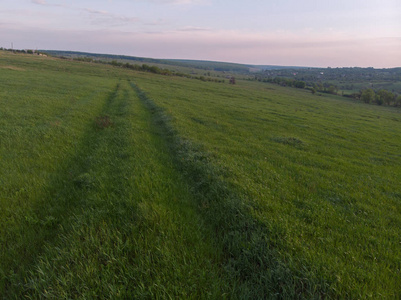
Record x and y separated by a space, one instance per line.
315 33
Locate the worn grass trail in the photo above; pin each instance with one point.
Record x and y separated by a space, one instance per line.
177 188
39 135
120 223
250 248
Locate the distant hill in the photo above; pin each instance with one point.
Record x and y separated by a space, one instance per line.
212 65
196 64
273 67
74 54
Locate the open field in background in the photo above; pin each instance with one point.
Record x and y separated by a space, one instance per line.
356 87
120 183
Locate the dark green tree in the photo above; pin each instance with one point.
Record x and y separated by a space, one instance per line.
384 96
368 96
332 90
299 84
398 101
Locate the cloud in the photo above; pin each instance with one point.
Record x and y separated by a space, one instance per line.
194 29
96 12
96 17
275 48
45 3
41 2
180 2
158 22
99 17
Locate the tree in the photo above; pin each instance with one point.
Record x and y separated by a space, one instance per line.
332 90
368 96
398 101
299 84
384 96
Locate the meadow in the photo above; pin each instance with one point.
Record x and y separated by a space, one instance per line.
117 184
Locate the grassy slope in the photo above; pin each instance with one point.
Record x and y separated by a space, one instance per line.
186 65
250 190
321 174
87 211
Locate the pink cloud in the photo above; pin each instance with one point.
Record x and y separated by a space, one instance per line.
41 2
253 48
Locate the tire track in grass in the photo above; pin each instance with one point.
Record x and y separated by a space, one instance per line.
41 218
133 232
253 251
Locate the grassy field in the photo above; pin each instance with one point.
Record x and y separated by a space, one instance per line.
393 86
115 183
319 174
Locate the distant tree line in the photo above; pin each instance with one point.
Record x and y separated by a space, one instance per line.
283 81
348 75
300 84
157 70
147 68
24 51
381 97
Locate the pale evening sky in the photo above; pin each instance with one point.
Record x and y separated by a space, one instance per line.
335 33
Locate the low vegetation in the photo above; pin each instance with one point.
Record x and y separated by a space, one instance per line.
119 183
347 80
309 169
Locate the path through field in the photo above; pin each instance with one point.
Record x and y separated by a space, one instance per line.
120 220
123 184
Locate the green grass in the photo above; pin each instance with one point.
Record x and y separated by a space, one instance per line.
393 86
319 173
118 184
96 210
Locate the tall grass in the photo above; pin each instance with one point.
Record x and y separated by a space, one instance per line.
120 184
250 247
317 173
113 219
